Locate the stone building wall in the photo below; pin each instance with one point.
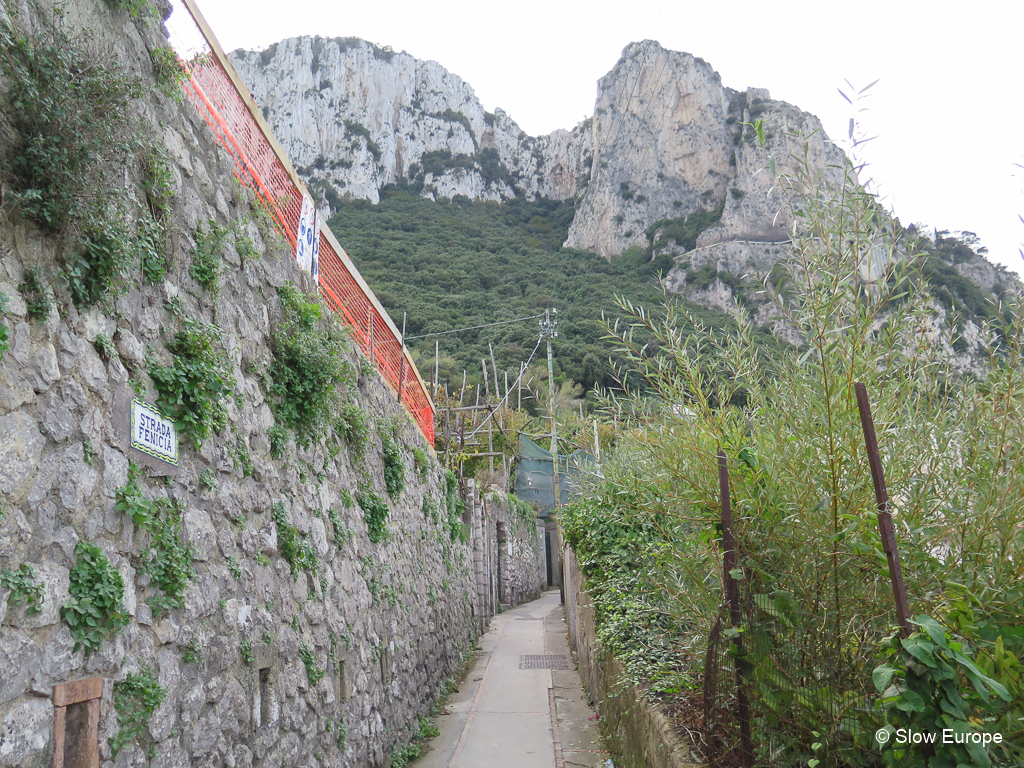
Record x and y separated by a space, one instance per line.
519 572
238 663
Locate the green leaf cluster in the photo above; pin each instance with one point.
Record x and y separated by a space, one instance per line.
278 437
193 652
394 466
167 559
313 672
195 388
33 290
208 256
149 244
309 366
403 754
353 426
375 513
932 685
135 699
101 262
421 462
454 506
24 587
169 72
157 182
294 547
95 609
342 532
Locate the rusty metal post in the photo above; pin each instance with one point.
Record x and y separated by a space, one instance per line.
885 527
732 594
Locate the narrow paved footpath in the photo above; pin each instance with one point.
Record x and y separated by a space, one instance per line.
509 715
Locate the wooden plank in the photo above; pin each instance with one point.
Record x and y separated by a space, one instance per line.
76 691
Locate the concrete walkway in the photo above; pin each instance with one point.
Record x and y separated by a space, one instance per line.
508 715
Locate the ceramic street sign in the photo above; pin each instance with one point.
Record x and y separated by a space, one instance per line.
153 433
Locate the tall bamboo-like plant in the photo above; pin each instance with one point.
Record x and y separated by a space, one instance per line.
817 600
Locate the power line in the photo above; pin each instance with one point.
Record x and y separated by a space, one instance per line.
508 392
474 327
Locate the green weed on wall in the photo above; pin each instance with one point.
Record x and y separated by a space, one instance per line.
308 366
95 608
195 388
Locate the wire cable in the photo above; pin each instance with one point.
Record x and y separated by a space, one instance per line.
474 327
515 386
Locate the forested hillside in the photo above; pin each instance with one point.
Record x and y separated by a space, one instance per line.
459 264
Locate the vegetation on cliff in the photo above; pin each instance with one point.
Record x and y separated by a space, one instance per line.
458 264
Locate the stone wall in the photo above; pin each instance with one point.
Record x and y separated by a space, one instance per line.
635 730
238 663
520 569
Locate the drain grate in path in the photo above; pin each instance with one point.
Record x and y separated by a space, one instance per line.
545 662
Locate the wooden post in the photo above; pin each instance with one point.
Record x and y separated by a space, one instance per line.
732 594
437 363
519 386
448 431
490 432
885 527
494 369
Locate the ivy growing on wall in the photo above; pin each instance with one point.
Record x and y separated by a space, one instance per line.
24 587
168 558
353 426
293 546
308 366
195 388
135 699
95 608
454 506
394 467
375 513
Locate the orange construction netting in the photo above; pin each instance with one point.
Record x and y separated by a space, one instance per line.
258 166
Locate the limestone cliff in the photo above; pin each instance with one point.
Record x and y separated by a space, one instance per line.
669 162
666 139
355 117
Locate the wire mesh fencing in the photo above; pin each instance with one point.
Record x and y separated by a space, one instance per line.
223 101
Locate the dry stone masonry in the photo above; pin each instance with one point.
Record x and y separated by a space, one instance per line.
254 605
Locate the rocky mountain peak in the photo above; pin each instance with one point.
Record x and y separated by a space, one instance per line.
666 140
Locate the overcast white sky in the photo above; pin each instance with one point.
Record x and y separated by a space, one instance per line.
948 110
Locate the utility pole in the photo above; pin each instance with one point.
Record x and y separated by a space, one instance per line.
547 331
